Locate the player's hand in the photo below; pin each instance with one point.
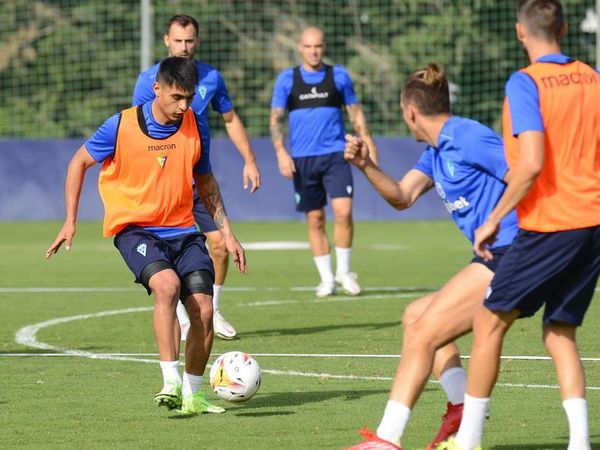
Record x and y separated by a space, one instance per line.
65 235
238 254
356 151
286 164
485 236
251 176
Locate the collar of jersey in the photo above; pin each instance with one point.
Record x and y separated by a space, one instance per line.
554 58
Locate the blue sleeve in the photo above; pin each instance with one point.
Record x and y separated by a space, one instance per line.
524 104
203 166
425 162
282 89
102 143
344 84
482 148
221 101
142 92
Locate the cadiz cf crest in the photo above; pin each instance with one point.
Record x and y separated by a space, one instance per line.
161 160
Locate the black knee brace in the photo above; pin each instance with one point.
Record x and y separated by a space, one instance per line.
152 269
197 282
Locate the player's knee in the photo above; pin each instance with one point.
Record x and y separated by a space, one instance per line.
167 289
200 310
343 218
418 335
316 220
162 282
411 315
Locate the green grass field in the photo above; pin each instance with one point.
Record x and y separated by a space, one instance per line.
319 386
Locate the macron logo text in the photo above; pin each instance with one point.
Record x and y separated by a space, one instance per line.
158 148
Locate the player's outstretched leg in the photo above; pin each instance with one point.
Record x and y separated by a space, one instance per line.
165 289
197 351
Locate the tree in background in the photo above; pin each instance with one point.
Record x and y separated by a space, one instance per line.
66 65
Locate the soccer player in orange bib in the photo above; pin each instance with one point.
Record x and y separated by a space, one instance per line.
182 39
552 144
150 154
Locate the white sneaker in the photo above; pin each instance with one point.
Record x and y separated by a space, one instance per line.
223 329
185 327
349 283
325 289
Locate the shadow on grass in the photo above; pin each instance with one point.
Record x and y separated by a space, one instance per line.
321 329
287 399
265 414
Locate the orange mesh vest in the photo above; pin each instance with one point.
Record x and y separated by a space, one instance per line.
148 181
566 194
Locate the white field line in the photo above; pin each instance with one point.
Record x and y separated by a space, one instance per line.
332 299
28 336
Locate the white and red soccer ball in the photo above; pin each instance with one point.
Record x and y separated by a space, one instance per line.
235 376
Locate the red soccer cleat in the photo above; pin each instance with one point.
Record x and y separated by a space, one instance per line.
450 424
372 442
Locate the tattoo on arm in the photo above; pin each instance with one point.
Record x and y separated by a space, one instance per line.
209 192
276 124
358 120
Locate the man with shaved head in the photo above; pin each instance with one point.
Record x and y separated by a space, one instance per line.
313 93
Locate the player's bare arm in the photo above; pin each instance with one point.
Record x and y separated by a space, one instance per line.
359 124
284 160
400 195
519 181
78 165
238 135
209 192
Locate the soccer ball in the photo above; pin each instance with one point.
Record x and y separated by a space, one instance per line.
235 376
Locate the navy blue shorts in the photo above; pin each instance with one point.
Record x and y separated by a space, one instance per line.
557 269
202 217
185 253
497 252
319 176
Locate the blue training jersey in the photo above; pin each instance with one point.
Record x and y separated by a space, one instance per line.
315 131
211 89
102 145
468 169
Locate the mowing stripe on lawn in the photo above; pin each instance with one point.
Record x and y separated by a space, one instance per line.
27 336
25 290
